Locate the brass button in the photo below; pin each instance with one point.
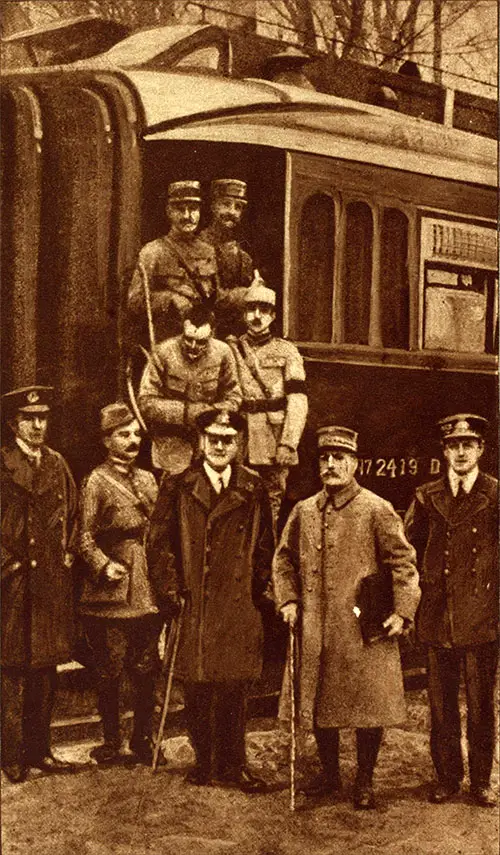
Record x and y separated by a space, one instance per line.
447 552
33 563
473 571
32 541
318 546
474 530
446 571
474 550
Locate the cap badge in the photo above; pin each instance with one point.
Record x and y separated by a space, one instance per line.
33 397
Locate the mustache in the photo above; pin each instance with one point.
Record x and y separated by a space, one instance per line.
134 446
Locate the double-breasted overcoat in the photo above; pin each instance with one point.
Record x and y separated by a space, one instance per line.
219 555
38 515
458 557
328 545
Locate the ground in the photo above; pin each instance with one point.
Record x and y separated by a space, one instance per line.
129 811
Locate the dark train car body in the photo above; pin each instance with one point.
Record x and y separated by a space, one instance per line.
377 230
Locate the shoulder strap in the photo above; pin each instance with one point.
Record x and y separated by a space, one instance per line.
185 266
252 365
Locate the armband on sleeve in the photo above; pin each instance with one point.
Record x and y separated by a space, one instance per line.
295 387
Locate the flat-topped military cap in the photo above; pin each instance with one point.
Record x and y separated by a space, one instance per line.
229 187
290 57
184 191
224 422
462 426
29 399
258 292
337 436
115 415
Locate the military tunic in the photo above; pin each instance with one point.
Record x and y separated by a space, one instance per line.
174 391
180 272
272 379
235 271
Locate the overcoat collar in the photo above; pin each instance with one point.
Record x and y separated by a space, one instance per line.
442 498
338 500
240 485
24 474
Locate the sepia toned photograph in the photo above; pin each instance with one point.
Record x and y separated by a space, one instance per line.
249 411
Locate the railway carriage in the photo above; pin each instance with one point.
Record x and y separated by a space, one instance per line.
377 230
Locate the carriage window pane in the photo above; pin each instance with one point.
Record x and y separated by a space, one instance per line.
394 292
358 273
459 286
315 274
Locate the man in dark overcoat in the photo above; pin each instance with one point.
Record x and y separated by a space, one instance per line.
38 515
211 543
119 614
331 543
453 524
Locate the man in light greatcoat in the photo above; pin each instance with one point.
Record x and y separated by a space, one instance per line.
38 516
453 524
211 542
330 543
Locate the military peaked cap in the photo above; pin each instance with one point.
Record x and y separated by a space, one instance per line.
462 426
28 399
184 191
229 187
114 416
221 422
336 436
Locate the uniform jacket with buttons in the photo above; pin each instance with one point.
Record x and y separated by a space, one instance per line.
174 391
235 274
38 516
458 556
115 509
281 368
327 547
175 286
218 551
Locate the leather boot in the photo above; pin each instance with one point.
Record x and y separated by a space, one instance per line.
109 710
328 781
368 740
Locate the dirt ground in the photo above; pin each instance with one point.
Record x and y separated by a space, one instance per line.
128 811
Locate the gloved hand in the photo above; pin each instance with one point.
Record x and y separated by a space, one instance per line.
285 456
114 571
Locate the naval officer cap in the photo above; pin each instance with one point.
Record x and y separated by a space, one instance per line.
220 422
232 187
184 191
258 292
462 426
337 437
114 416
28 399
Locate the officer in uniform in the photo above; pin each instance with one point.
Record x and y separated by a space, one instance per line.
272 380
177 270
234 265
38 515
187 375
453 524
119 613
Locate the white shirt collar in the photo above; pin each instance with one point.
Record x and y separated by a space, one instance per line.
467 481
215 477
33 455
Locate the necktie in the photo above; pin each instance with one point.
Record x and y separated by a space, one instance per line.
221 485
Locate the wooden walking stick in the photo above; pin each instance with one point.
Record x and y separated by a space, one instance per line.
171 649
293 736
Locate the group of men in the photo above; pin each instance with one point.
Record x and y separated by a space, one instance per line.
206 543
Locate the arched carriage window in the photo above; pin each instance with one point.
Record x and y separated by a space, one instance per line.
315 274
394 289
357 272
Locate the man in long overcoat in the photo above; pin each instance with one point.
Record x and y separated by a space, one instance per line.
330 543
453 523
119 613
211 542
38 514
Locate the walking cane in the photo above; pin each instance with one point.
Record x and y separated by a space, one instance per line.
293 737
170 654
